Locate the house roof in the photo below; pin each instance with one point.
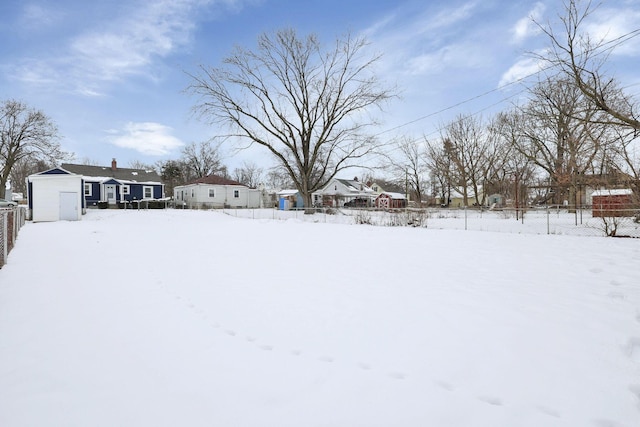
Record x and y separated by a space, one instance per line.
121 174
386 187
215 180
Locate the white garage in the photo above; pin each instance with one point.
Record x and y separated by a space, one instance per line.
55 195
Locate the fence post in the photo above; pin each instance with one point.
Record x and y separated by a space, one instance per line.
4 229
465 218
548 214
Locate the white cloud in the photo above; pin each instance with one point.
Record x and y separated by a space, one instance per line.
153 139
520 70
525 27
128 44
609 25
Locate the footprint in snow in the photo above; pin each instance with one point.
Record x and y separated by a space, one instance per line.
633 349
326 359
266 347
251 339
617 295
495 401
615 283
397 375
549 411
445 385
230 333
596 270
296 352
364 366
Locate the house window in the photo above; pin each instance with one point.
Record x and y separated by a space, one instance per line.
193 193
125 189
236 193
148 192
212 193
88 190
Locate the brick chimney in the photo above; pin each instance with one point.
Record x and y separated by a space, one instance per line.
114 165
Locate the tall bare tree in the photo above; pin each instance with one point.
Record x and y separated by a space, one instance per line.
563 135
512 173
306 105
22 169
581 59
25 134
466 145
408 166
201 160
249 174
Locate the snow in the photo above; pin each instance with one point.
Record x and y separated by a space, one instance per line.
613 192
195 318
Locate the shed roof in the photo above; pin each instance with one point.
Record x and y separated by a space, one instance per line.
613 192
392 195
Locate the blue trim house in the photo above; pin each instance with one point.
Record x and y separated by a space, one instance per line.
116 185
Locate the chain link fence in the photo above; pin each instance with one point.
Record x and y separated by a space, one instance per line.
11 220
557 220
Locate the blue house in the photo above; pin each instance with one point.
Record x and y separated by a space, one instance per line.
115 185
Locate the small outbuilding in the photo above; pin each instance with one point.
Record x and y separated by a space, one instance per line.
612 203
391 201
55 195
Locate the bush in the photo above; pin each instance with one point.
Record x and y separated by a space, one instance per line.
103 205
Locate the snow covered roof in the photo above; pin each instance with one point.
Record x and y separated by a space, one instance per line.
393 195
613 192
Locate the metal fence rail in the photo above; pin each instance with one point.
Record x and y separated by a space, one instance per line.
11 220
557 220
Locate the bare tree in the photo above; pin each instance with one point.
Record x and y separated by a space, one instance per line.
249 174
201 160
511 173
562 134
305 105
465 143
22 169
276 179
582 59
439 164
137 164
409 167
26 134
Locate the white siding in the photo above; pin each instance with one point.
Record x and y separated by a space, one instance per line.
45 195
224 196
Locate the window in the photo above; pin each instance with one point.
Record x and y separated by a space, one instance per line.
236 193
125 189
88 189
212 192
148 192
193 193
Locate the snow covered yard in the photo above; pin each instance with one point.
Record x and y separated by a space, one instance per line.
193 318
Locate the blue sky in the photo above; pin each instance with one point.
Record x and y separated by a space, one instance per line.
112 73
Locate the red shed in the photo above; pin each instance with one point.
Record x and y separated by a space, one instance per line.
391 201
612 203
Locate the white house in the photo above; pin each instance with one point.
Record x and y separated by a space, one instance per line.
340 191
216 192
54 195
